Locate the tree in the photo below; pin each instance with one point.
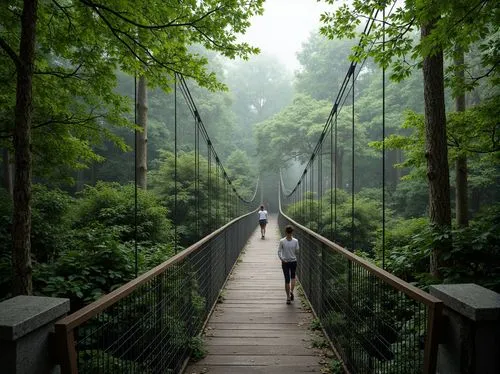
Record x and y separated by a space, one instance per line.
166 31
290 135
443 24
323 66
436 151
24 62
260 87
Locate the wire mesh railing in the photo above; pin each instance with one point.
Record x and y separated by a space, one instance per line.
150 324
377 322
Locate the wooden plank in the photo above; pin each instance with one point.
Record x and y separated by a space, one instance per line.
246 326
282 341
281 369
276 333
265 360
280 350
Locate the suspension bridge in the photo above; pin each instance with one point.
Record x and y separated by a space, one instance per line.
225 292
218 303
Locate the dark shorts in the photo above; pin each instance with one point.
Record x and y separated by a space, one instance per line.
262 222
289 269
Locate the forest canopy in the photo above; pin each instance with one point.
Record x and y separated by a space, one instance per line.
85 84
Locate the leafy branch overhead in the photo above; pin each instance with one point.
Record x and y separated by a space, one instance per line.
154 38
81 43
462 23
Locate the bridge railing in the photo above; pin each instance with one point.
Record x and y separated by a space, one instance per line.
150 324
377 322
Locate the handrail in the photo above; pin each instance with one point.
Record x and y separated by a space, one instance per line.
219 253
89 311
359 281
400 284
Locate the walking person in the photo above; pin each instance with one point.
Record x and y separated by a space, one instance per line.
287 249
262 221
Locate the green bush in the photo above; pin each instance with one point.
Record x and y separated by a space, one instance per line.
112 205
50 224
96 263
407 248
475 255
411 198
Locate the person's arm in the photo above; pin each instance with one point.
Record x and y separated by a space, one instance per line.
280 250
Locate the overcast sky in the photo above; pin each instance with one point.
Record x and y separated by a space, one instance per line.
285 25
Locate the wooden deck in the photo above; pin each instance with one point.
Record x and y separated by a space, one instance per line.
253 330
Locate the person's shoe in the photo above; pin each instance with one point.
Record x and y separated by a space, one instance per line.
291 296
288 301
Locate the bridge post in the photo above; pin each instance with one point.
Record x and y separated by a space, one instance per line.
26 327
470 339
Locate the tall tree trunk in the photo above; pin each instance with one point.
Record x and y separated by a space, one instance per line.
7 172
142 136
436 151
461 186
21 221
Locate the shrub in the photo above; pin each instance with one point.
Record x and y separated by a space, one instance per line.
96 264
112 205
407 247
50 223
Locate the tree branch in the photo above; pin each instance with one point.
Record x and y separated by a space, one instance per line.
70 121
61 74
211 40
487 74
10 52
63 9
142 26
453 141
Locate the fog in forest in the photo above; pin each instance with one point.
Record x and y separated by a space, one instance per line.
199 119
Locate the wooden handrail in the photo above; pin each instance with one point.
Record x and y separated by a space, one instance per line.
412 291
84 314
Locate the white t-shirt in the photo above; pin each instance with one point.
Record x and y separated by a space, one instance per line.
262 214
287 249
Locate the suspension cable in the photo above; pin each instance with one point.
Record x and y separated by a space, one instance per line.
344 86
383 143
175 165
194 111
136 252
352 168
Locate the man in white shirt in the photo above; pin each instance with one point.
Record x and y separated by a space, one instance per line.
287 249
262 220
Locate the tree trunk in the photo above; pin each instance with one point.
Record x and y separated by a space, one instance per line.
436 151
21 220
7 172
142 136
461 186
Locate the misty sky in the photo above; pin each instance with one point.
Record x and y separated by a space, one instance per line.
285 25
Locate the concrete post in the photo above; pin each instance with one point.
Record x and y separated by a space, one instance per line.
470 340
26 323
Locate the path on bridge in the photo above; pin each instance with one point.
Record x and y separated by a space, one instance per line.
253 330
